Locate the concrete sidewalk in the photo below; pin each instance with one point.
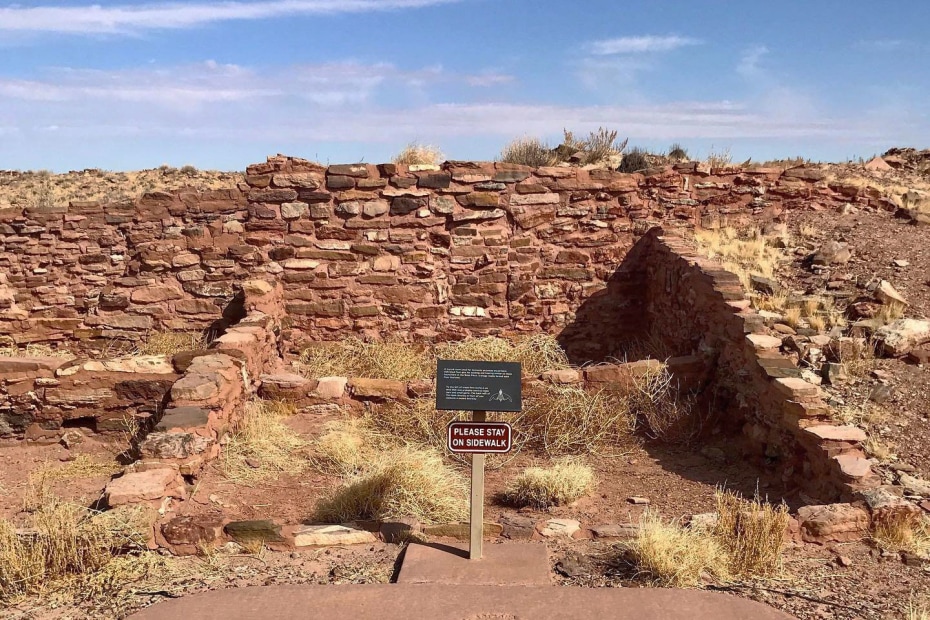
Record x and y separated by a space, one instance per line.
440 602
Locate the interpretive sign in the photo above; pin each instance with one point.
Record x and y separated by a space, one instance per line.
479 437
478 386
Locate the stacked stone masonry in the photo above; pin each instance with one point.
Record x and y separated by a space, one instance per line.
420 251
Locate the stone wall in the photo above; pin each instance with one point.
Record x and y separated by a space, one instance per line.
701 313
468 248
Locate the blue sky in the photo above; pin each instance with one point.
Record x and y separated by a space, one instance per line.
124 85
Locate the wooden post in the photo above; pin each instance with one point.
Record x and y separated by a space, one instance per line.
475 547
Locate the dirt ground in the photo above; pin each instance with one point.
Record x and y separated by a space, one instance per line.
678 481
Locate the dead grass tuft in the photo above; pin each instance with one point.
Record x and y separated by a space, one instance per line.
351 357
537 353
262 446
903 532
890 312
63 540
752 533
672 556
419 154
917 609
657 404
404 361
528 151
345 448
405 482
542 487
876 448
745 253
746 542
170 343
33 350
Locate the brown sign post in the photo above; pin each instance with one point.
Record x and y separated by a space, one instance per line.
466 385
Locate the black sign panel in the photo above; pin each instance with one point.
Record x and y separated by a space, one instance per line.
478 386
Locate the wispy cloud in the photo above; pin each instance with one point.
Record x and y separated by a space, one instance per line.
131 19
748 65
640 44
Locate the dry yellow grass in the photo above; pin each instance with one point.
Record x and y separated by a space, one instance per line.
528 152
746 542
917 609
33 350
419 154
542 487
890 312
752 533
170 343
878 449
403 361
745 253
62 540
671 556
262 446
39 482
903 532
808 231
817 322
345 448
792 316
537 353
658 406
404 482
351 357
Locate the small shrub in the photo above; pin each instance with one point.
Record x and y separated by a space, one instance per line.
809 231
542 487
570 420
600 146
672 556
419 154
406 482
634 160
262 446
677 153
170 343
752 533
528 152
878 449
188 170
903 532
890 312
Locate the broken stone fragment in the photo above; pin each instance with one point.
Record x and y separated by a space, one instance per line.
143 486
887 294
833 523
327 535
559 528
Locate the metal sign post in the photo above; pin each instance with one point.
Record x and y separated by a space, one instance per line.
479 386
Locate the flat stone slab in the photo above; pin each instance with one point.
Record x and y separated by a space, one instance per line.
512 564
438 602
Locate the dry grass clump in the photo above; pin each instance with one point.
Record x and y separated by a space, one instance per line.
657 404
405 482
672 556
878 449
752 533
718 159
38 491
63 540
351 357
33 350
745 254
903 532
571 420
170 343
527 151
345 448
404 361
542 487
634 160
419 154
917 609
537 353
262 446
746 541
890 312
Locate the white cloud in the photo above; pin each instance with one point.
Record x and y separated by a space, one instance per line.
640 44
483 80
748 65
130 18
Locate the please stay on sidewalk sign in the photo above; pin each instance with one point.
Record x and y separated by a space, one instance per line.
479 387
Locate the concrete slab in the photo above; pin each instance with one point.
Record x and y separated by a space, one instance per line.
511 564
436 602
